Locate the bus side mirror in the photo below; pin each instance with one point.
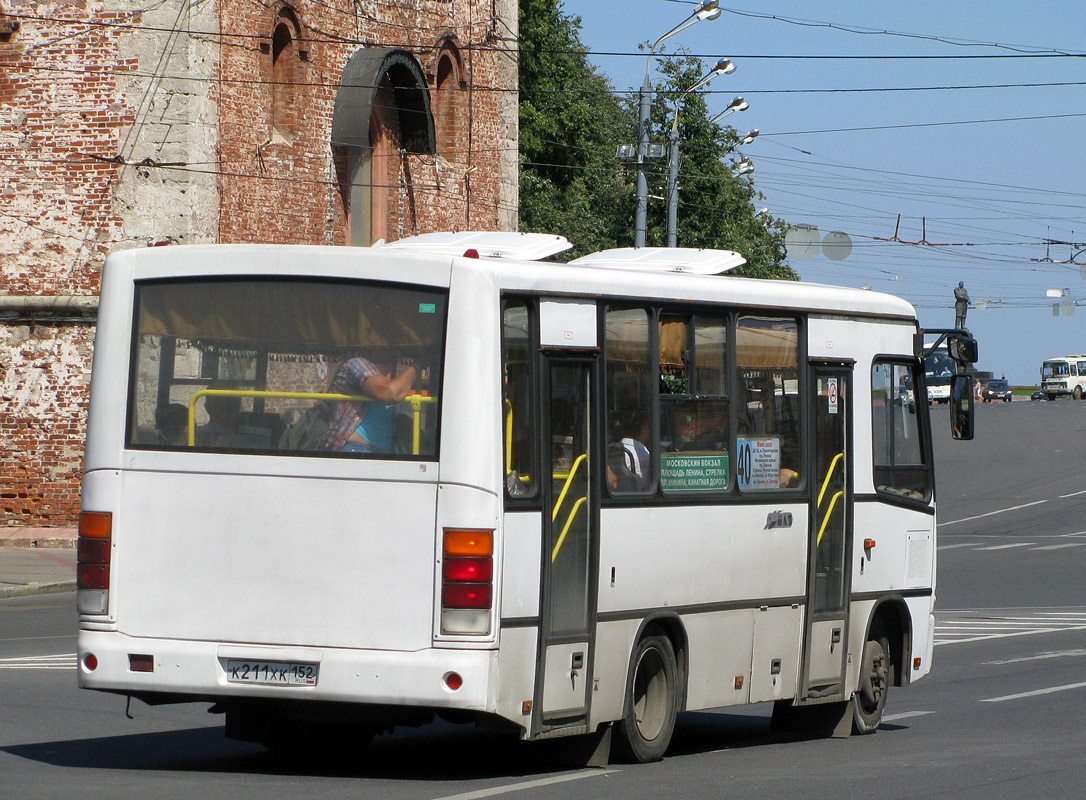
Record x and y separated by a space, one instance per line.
961 406
962 349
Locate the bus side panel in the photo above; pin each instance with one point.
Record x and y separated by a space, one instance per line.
521 578
685 555
904 551
721 646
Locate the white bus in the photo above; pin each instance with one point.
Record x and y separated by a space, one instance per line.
1064 376
616 491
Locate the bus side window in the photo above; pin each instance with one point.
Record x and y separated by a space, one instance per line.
768 420
630 467
519 396
693 403
899 452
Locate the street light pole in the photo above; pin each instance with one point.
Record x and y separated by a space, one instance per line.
707 9
723 67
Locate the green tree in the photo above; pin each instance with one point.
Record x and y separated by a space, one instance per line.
571 183
570 122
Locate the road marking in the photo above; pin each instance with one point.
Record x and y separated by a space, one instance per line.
516 787
1009 635
953 546
992 513
66 661
1073 494
905 715
1040 657
1035 693
1007 546
1060 546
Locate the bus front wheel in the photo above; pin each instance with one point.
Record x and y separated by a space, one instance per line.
652 702
1078 393
870 698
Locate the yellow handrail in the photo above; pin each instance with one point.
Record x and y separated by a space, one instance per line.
569 521
416 401
829 473
826 519
565 488
508 436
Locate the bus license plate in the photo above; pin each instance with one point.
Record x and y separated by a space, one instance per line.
276 673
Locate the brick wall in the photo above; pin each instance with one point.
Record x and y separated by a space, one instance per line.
121 128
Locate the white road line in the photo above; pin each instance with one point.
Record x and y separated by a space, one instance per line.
1040 657
1008 546
992 513
60 661
953 546
905 715
1073 494
516 787
1060 546
1034 693
1009 635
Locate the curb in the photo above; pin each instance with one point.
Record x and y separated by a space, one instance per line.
34 537
36 588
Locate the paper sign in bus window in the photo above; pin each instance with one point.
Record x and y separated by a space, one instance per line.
758 463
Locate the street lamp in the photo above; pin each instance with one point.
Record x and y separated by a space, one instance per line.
707 9
723 67
744 167
737 104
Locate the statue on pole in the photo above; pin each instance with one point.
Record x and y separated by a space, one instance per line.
961 305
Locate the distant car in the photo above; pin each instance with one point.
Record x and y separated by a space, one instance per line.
996 390
1038 395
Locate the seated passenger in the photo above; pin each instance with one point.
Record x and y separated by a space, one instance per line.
221 429
628 460
172 425
368 427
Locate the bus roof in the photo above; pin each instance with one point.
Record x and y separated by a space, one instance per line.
399 264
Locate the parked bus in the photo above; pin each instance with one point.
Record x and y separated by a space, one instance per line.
1064 376
602 493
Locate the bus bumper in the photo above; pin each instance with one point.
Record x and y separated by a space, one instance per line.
172 670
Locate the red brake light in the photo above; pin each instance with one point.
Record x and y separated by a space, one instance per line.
466 595
93 551
459 568
92 576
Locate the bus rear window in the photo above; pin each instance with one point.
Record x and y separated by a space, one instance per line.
262 366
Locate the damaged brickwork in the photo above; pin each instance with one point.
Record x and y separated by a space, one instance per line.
127 124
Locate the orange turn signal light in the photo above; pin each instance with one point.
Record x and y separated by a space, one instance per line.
868 544
96 524
469 543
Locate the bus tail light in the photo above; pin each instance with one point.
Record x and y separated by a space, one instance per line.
467 581
93 557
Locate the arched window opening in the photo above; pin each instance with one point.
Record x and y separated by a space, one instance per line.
448 103
382 112
285 74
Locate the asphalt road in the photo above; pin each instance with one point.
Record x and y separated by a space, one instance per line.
999 717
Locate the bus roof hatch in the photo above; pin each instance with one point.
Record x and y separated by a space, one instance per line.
664 259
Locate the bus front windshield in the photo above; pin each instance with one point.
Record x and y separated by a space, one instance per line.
1053 369
285 366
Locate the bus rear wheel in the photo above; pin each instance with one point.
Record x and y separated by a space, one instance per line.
870 698
652 703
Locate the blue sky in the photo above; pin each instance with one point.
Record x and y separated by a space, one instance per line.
991 192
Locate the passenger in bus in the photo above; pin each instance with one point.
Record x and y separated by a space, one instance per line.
628 460
172 425
368 427
221 429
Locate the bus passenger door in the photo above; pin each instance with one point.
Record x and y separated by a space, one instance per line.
828 581
569 543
